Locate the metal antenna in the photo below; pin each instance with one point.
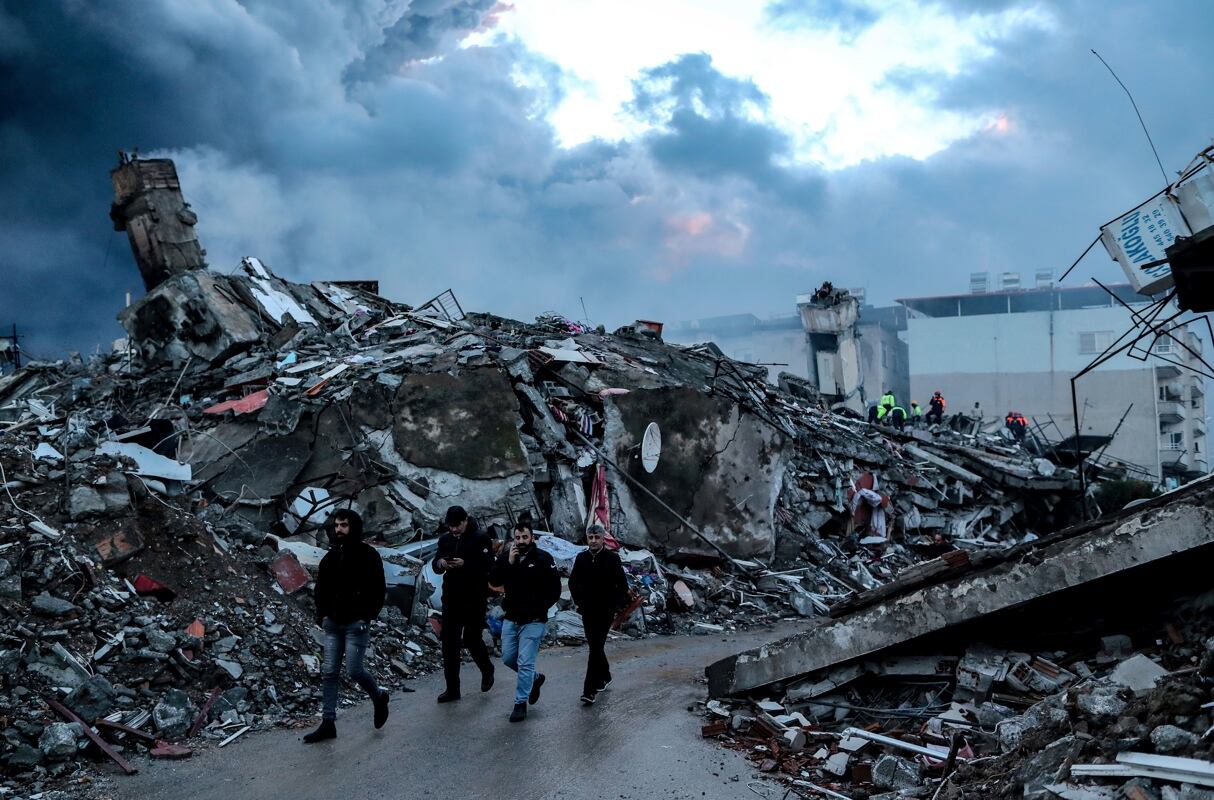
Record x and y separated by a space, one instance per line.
1141 122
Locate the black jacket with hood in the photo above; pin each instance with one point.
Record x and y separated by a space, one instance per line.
465 590
597 582
350 583
532 584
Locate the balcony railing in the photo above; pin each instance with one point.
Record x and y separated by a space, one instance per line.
1172 411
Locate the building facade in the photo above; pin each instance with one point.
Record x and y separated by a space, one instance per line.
1017 350
783 342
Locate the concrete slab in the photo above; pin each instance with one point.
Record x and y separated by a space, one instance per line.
1177 531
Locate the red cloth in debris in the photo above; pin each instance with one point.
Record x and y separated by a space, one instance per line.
600 507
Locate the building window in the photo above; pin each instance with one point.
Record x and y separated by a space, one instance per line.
1093 342
1173 441
1163 346
884 355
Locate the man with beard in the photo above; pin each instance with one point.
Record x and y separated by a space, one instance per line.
532 585
349 594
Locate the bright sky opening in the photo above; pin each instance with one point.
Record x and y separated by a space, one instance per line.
829 88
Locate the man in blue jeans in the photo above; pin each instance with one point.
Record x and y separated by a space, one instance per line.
532 585
349 594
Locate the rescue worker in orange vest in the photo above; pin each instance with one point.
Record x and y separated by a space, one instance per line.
1016 425
936 406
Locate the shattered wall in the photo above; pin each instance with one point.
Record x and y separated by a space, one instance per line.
720 468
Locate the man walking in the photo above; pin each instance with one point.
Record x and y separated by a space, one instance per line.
599 590
349 594
463 557
531 583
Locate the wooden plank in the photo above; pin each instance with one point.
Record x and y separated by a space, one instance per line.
70 716
201 719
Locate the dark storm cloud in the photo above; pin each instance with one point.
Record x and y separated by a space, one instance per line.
706 129
327 138
420 32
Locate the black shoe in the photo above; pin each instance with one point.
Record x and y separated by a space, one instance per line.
486 681
519 713
448 696
534 697
381 708
327 730
606 685
587 698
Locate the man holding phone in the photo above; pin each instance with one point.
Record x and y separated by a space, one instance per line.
463 557
532 585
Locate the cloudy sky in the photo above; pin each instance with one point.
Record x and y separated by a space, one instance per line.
666 159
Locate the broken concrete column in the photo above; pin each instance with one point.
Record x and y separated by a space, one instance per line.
149 206
191 314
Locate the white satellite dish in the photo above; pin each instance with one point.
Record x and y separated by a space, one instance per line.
651 447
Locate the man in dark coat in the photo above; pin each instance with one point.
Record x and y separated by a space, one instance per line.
463 558
349 594
532 585
599 590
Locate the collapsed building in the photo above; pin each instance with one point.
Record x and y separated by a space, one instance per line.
1085 654
203 456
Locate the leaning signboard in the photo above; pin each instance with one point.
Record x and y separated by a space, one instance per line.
1137 241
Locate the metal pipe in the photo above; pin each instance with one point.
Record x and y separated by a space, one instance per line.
935 755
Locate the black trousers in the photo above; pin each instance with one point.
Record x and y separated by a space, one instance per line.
463 629
598 671
938 416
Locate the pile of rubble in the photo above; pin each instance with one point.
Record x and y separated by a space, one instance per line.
1079 666
131 623
165 503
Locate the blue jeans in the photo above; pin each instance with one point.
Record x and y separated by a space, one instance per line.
351 641
520 646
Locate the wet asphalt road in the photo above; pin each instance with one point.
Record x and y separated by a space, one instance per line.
638 740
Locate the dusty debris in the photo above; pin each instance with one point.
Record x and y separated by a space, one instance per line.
1086 679
164 504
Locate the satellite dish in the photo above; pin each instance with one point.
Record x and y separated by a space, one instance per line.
651 447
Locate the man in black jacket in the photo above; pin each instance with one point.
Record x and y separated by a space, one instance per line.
463 558
532 585
599 590
349 594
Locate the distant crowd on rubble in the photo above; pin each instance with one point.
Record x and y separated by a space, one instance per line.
350 590
887 411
